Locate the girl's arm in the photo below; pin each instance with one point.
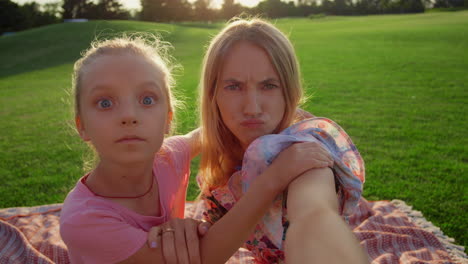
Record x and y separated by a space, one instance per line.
229 233
181 245
146 255
317 233
194 141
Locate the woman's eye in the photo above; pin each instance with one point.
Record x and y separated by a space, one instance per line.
270 86
233 87
104 103
148 100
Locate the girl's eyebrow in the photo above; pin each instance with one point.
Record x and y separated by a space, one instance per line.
98 88
102 87
150 84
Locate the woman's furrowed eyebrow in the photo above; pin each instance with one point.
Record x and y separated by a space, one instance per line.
270 80
231 80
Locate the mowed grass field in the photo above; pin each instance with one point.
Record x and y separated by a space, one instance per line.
398 84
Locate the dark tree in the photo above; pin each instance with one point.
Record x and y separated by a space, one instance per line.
10 16
272 8
450 3
412 6
149 9
230 9
14 17
165 10
178 10
341 7
105 9
201 10
34 17
308 7
74 8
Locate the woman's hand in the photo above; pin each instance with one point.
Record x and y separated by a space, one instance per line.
302 114
179 240
297 159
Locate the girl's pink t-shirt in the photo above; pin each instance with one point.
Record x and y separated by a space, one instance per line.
98 230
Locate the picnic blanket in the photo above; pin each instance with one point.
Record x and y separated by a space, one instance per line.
390 231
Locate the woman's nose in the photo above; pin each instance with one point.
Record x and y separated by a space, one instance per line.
252 104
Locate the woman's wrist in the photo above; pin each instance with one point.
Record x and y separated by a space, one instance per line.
271 180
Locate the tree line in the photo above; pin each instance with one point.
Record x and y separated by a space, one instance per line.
14 17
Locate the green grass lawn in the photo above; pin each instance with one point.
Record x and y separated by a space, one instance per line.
398 84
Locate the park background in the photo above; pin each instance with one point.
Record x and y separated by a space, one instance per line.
392 73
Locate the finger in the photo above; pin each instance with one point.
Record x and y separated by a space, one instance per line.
193 243
203 227
320 151
327 155
325 158
317 163
180 243
169 250
313 153
154 237
325 150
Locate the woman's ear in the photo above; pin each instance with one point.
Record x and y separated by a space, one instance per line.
169 122
80 128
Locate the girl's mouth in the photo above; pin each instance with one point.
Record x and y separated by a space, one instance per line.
130 139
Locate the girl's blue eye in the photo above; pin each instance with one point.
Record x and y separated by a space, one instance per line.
104 103
148 100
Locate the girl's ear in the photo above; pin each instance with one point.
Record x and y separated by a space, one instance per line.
80 128
169 122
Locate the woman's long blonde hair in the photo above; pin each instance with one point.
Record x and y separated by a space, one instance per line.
221 150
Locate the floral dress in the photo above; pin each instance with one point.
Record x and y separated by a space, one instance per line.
267 241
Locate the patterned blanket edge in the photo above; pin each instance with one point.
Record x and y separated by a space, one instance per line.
456 252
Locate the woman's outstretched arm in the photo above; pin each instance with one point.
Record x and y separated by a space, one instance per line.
230 232
317 233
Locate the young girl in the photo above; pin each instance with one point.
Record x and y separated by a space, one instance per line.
250 88
136 192
123 108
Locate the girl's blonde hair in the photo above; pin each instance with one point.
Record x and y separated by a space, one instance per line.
221 150
148 46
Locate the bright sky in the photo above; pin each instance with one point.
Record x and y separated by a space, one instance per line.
130 4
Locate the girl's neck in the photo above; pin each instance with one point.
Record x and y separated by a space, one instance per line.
111 179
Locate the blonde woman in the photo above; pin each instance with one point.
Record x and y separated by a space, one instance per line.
250 87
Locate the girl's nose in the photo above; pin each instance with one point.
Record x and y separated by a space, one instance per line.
129 122
129 115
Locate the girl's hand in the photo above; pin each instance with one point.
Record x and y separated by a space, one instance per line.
297 159
179 240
